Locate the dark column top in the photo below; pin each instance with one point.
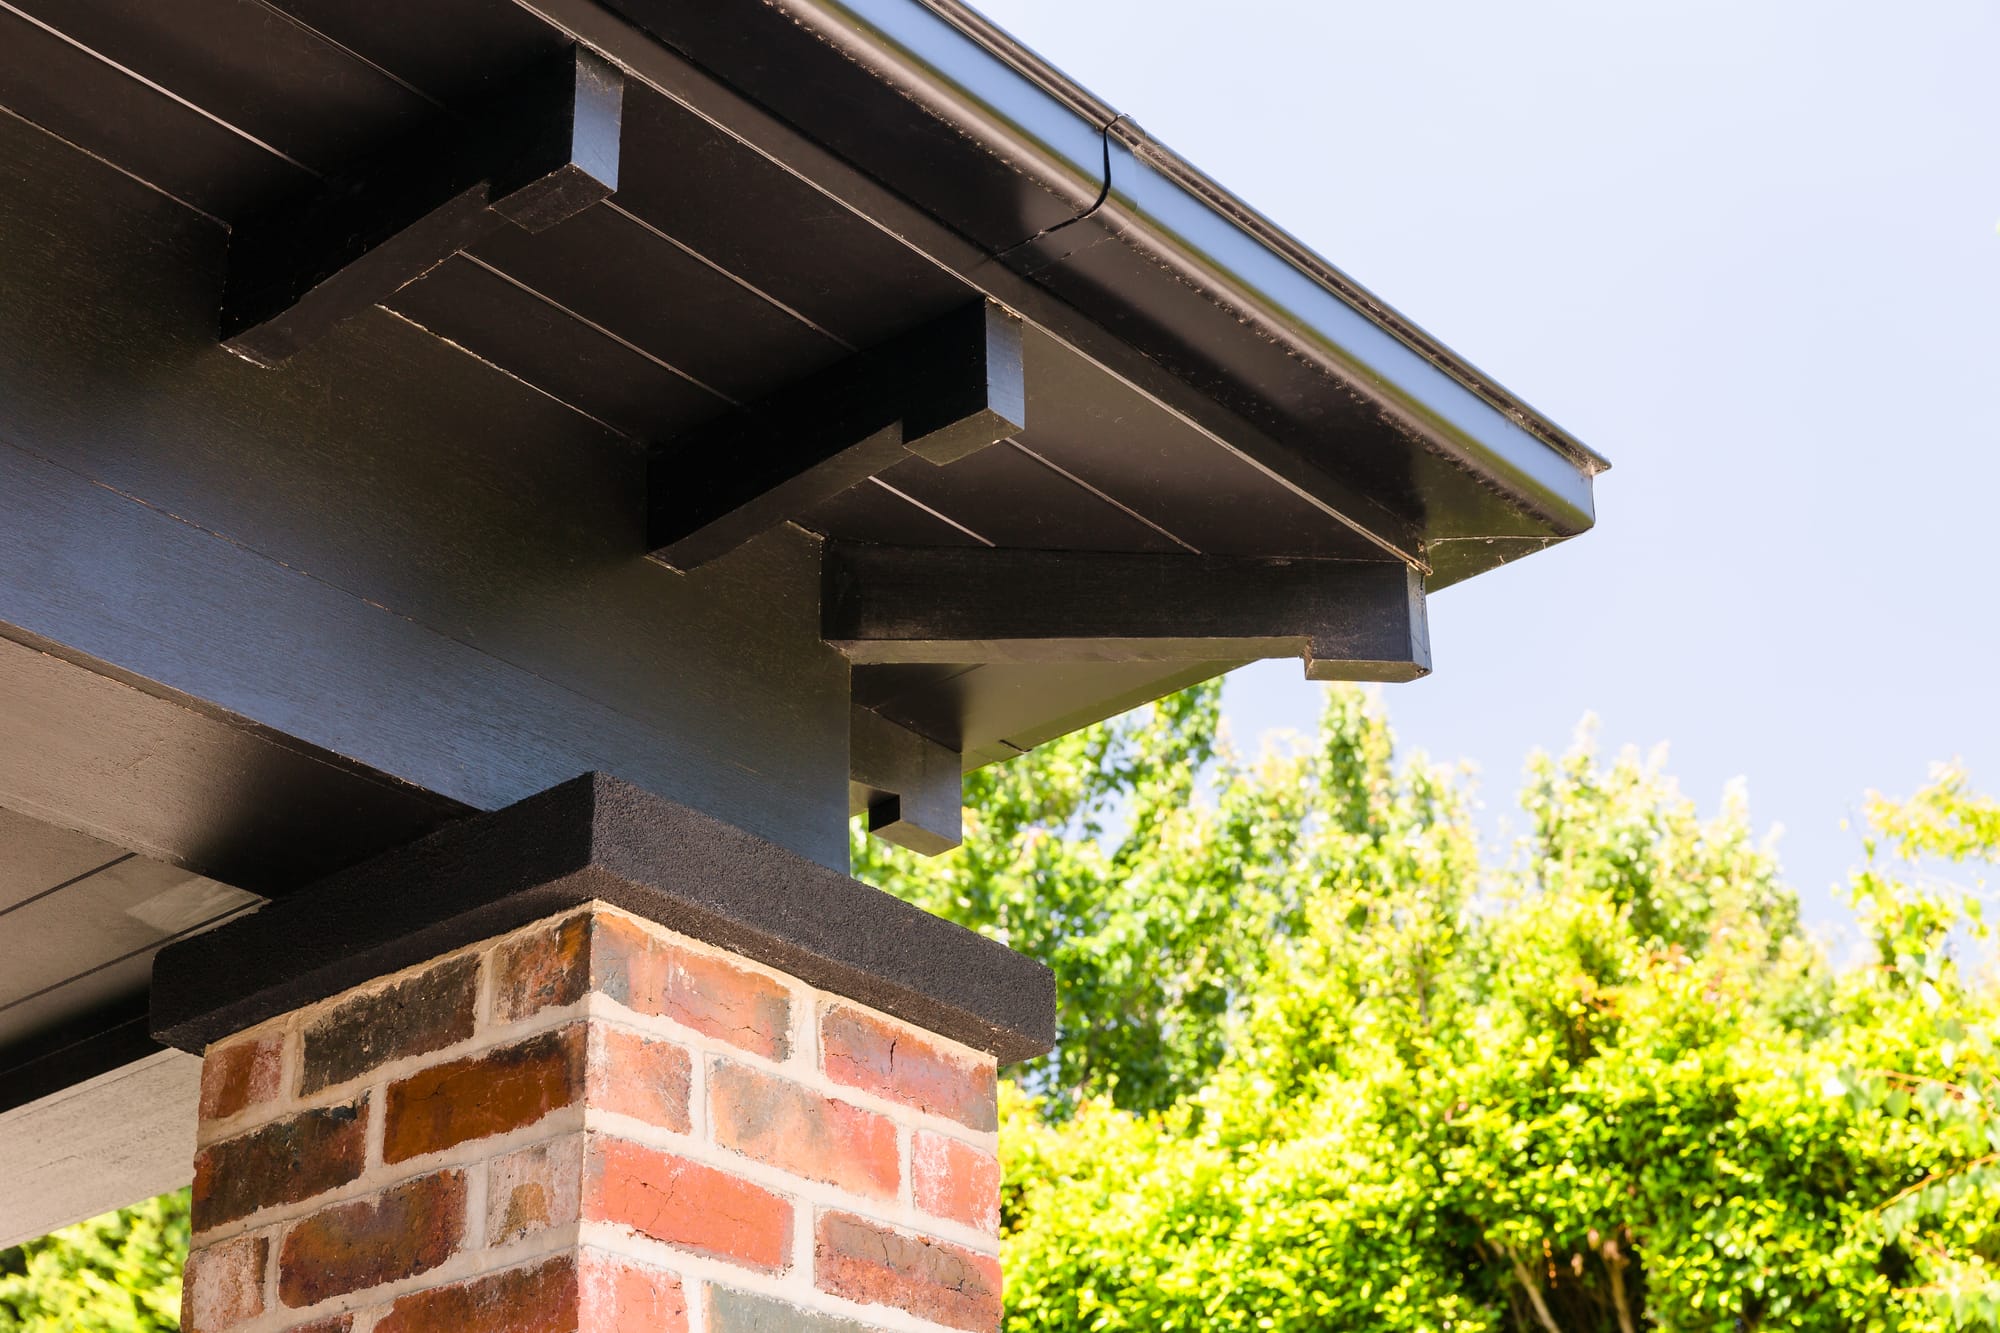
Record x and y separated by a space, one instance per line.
596 837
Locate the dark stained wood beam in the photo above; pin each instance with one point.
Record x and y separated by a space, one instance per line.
1349 620
941 392
545 150
910 787
91 748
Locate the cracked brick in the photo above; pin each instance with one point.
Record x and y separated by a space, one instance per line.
686 1204
869 1263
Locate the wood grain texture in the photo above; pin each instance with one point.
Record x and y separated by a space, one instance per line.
125 1135
387 550
1350 620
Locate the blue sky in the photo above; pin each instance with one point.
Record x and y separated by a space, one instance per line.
1746 250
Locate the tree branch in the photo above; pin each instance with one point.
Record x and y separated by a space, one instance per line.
1533 1289
1615 1263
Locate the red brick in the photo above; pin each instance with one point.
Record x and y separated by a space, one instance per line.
708 994
534 1189
286 1161
686 1204
866 1262
541 1299
223 1285
955 1180
540 967
558 964
897 1062
238 1075
415 1016
619 1296
405 1230
775 1120
640 1077
481 1095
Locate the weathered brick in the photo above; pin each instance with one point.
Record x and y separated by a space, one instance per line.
539 1299
286 1161
894 1061
484 1094
867 1262
700 991
686 1204
558 964
419 1014
618 1296
238 1075
640 1077
775 1120
534 1189
541 967
223 1285
731 1311
955 1180
340 1323
405 1230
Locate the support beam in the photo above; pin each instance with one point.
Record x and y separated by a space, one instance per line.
910 787
941 392
545 150
90 748
1349 620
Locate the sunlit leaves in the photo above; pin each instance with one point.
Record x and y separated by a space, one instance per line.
1324 1069
120 1273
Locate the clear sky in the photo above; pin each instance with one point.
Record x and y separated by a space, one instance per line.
1744 248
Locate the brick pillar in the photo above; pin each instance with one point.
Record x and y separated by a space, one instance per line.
591 1123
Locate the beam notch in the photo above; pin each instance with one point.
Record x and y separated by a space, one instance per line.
543 151
941 392
1348 619
910 787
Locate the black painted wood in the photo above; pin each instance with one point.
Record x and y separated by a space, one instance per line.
910 787
88 1043
1349 620
386 549
252 67
523 332
940 392
597 839
544 151
144 769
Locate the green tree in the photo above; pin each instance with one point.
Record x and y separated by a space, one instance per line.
119 1273
1319 1068
1322 1067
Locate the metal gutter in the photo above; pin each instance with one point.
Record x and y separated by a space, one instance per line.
1148 156
1158 202
974 131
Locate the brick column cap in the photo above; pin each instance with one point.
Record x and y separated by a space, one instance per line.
597 838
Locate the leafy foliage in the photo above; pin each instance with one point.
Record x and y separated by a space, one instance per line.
1321 1068
119 1273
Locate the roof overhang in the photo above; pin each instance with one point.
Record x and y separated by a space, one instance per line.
360 353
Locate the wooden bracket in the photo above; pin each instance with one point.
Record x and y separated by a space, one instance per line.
941 392
545 150
1349 619
910 787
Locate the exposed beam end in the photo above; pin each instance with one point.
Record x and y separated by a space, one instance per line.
1349 620
910 787
942 391
547 149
